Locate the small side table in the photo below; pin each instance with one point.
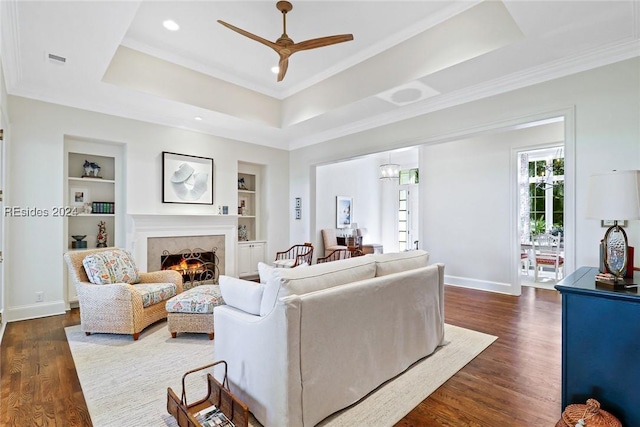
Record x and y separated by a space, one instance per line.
601 345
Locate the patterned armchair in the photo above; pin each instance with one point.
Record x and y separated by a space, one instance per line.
117 307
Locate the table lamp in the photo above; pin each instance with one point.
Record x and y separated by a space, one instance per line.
615 196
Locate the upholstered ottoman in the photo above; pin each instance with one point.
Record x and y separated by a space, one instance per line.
192 310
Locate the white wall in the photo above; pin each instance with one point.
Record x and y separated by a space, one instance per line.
356 178
36 179
475 191
606 102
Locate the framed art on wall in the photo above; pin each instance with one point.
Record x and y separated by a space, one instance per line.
187 179
344 211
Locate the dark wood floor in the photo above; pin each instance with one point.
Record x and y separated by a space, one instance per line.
516 381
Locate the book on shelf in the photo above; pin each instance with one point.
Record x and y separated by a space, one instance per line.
102 207
212 417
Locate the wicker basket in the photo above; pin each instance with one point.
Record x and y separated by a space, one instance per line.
591 413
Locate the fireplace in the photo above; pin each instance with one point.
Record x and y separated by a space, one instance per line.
149 235
197 266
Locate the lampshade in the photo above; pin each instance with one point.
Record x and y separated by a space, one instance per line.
614 195
389 171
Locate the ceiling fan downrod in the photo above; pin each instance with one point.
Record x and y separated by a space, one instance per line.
284 7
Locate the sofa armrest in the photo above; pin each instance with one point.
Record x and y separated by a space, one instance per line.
104 293
163 276
263 359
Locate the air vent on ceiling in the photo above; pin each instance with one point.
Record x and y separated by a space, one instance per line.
408 93
57 58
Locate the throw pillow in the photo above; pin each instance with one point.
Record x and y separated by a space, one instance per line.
241 294
264 271
112 266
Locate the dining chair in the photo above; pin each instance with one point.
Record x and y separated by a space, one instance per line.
524 261
546 253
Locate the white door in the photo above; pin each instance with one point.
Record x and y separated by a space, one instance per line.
408 217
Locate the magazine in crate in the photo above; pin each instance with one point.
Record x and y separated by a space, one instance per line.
213 417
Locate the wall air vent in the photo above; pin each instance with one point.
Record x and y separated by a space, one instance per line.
57 58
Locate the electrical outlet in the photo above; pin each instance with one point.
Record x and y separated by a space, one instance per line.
39 296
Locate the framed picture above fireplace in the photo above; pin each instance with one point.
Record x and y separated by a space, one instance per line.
187 179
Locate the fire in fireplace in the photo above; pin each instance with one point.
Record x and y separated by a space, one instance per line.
197 266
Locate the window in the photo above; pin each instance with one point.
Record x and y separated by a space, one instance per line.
546 190
409 176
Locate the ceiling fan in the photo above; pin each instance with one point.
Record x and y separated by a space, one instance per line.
284 46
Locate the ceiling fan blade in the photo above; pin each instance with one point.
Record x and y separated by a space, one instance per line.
320 42
283 65
259 39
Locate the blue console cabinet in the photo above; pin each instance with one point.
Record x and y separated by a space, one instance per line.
601 345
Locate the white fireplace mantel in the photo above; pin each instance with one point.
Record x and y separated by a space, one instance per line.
142 227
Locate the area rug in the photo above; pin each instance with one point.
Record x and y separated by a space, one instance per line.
125 382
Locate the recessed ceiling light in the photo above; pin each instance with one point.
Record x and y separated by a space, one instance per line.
197 118
275 69
171 25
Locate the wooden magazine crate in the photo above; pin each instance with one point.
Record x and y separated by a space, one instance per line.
217 394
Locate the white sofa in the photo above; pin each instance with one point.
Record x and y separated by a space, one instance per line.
314 340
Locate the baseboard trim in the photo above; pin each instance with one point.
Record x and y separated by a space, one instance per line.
483 285
33 311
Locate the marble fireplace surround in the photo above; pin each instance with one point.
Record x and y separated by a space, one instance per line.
143 227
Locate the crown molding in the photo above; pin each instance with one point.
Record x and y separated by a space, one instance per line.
604 55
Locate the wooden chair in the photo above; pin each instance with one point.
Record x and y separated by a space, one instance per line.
294 256
335 255
546 253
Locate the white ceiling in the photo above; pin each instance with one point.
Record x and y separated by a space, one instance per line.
407 58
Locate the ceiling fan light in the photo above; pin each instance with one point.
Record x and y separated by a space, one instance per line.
170 25
275 69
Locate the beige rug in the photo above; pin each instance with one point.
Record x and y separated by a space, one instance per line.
125 382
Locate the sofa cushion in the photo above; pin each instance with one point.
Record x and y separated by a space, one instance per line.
400 261
284 262
112 266
153 293
200 299
242 294
264 271
298 281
